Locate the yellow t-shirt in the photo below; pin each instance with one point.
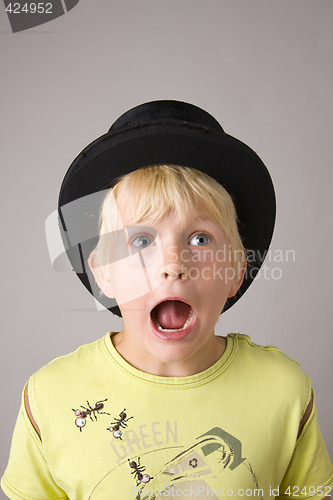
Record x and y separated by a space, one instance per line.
110 431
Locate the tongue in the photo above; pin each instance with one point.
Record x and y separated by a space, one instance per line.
172 314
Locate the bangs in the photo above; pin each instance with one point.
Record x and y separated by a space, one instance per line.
151 193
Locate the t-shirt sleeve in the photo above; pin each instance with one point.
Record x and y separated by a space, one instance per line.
27 476
310 472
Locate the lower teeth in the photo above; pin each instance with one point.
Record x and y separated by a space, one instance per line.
186 324
161 329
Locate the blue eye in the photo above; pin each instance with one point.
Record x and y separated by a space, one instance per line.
142 241
200 239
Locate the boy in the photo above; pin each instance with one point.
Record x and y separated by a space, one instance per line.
166 409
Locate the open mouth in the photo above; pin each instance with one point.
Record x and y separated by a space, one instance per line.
172 316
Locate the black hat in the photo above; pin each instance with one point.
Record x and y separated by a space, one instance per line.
159 133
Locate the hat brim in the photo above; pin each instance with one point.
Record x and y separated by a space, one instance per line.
232 163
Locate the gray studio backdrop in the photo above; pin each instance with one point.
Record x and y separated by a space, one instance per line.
262 67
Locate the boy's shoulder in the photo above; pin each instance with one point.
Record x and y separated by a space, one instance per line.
86 358
258 353
268 363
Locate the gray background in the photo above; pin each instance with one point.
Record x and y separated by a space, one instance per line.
263 68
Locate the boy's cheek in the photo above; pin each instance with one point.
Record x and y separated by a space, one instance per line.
212 272
128 279
136 275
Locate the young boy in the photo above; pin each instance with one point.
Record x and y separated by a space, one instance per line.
164 408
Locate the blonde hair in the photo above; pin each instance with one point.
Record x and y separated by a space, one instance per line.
152 192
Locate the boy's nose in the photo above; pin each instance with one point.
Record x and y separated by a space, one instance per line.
174 267
175 273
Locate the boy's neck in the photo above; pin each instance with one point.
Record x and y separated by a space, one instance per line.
184 368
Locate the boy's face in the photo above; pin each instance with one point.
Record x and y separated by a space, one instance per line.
171 290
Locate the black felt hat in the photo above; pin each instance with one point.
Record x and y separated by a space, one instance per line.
159 133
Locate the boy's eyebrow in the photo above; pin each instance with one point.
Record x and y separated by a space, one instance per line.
137 229
144 224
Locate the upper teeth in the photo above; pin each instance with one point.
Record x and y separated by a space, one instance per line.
185 325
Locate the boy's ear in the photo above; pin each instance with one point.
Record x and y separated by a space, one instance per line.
237 283
101 276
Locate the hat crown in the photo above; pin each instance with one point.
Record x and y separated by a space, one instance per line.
166 111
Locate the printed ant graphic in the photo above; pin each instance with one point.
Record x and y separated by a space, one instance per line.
119 422
138 470
81 415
